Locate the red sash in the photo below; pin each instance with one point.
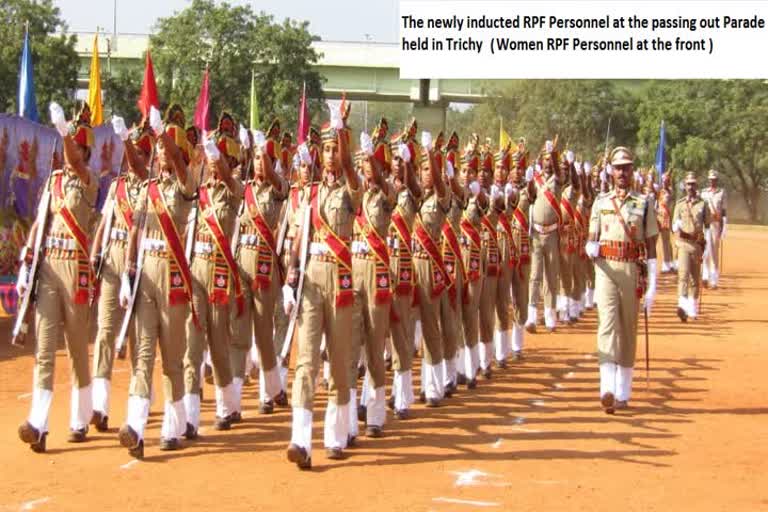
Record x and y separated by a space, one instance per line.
493 247
379 247
440 278
454 262
123 203
295 198
180 276
525 247
570 243
550 197
345 293
580 231
504 221
221 277
267 248
405 277
473 273
84 275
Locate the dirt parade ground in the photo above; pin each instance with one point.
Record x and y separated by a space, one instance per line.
532 438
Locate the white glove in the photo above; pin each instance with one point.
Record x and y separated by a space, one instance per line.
57 118
336 121
244 139
587 167
722 233
603 177
22 281
259 140
537 168
155 120
426 140
592 249
509 189
303 153
449 172
569 156
118 125
550 146
577 166
366 144
296 161
278 167
495 191
211 151
125 291
404 152
474 188
529 173
650 293
609 169
676 226
289 299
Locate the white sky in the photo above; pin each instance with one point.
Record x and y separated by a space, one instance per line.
330 19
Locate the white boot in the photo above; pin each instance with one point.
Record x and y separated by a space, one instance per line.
573 309
100 395
608 378
500 340
354 429
532 316
486 354
138 413
270 384
713 278
81 409
561 307
41 406
301 428
225 400
550 321
624 383
376 408
402 385
517 337
590 298
694 303
174 420
237 382
434 386
449 370
192 407
336 428
472 358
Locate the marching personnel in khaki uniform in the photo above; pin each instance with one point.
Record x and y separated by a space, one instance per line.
431 276
122 200
689 222
545 241
622 242
596 178
260 269
582 213
327 298
64 281
217 290
519 202
507 256
474 259
452 301
407 191
492 261
372 286
716 200
664 206
164 293
567 297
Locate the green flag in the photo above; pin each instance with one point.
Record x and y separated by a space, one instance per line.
254 104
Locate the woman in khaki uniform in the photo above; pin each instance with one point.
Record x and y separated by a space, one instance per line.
64 281
164 294
121 202
520 201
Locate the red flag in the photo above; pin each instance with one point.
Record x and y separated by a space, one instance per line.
303 130
148 97
203 102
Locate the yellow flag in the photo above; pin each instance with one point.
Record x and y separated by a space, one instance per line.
504 138
94 86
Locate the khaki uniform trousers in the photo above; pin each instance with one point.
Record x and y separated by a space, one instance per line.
616 292
450 319
545 268
503 297
713 255
429 309
257 319
370 323
402 332
110 314
213 332
280 319
55 311
319 315
488 298
579 277
688 269
666 246
590 274
567 272
157 321
520 277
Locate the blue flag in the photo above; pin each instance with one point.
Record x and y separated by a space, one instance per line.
26 98
661 154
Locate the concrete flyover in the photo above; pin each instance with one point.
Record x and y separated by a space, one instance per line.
365 70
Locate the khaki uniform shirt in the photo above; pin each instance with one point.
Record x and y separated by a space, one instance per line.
664 207
639 217
79 198
694 218
225 203
543 213
178 199
716 202
377 207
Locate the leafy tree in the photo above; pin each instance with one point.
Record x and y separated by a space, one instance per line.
121 91
54 57
232 41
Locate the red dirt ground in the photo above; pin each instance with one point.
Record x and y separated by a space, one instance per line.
532 438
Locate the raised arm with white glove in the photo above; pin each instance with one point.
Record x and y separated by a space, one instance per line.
650 293
155 120
118 126
58 120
